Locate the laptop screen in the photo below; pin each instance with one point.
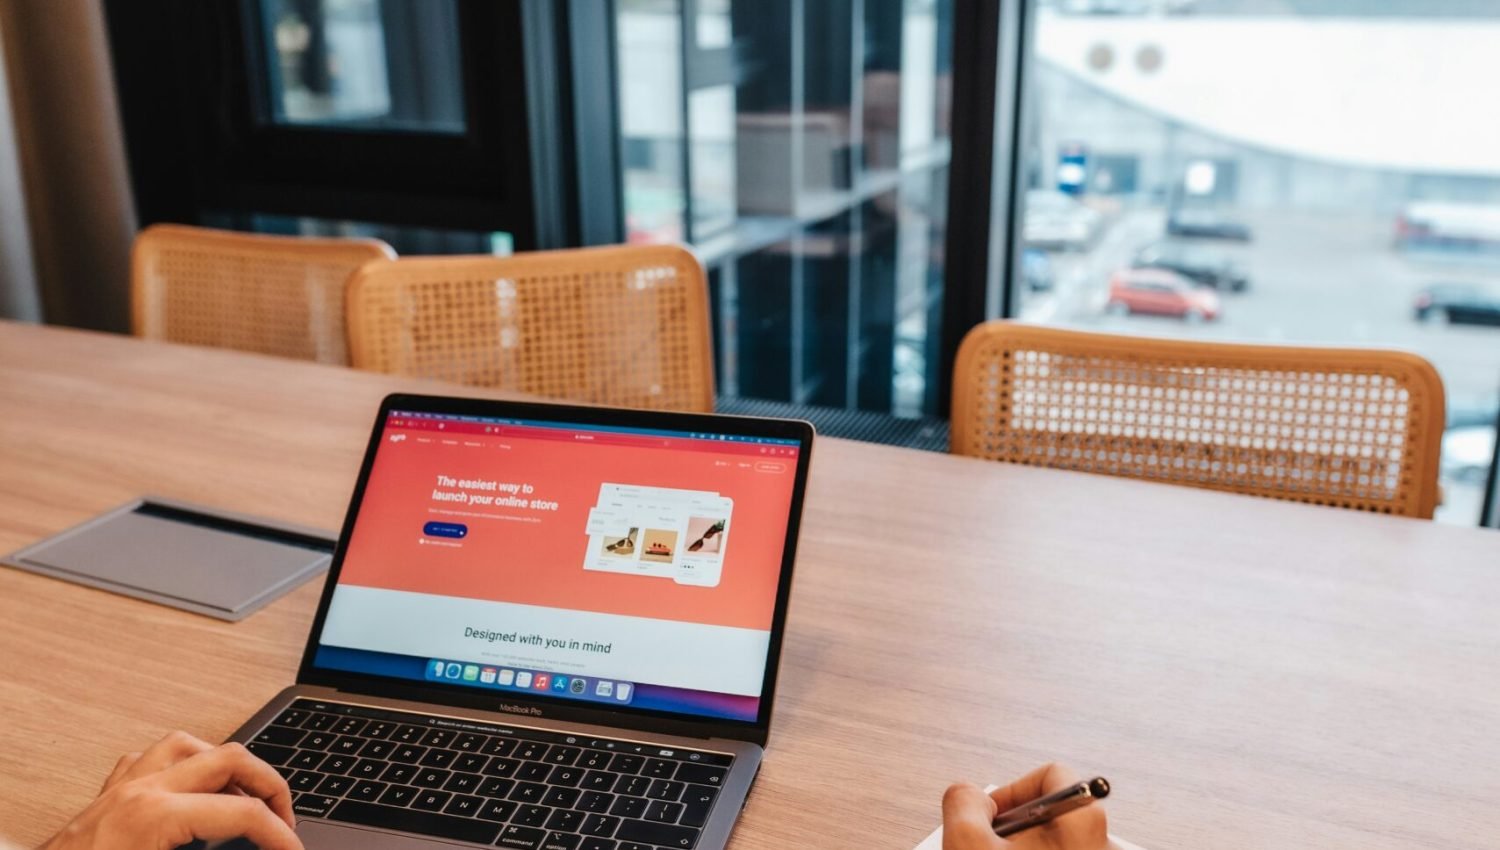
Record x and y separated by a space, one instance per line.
623 568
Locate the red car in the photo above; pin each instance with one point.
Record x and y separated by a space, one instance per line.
1162 293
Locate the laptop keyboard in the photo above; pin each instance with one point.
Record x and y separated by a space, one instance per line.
506 786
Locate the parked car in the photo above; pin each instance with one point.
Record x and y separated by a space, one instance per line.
1160 292
1201 265
1036 270
1466 454
1059 222
1206 224
1458 304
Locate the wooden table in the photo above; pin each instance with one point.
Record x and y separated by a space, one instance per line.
1250 674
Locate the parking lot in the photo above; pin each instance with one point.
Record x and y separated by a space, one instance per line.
1314 278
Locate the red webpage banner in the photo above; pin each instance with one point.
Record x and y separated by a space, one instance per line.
576 520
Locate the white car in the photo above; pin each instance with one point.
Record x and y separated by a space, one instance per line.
1467 452
1058 222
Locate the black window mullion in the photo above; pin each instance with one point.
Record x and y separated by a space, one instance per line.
987 63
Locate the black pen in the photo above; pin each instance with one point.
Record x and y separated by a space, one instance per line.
1054 805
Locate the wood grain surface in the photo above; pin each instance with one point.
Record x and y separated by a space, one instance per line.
1249 674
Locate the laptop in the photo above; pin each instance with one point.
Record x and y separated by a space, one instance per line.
545 627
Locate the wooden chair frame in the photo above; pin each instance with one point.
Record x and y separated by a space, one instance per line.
1347 427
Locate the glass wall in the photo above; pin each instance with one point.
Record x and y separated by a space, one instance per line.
386 64
801 147
1284 171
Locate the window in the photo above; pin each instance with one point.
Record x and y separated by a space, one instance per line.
430 114
1319 167
388 64
802 148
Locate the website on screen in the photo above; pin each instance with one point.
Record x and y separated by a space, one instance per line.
621 565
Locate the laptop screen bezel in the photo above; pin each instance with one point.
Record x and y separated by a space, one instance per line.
553 708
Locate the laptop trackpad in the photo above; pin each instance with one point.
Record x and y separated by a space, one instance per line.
318 835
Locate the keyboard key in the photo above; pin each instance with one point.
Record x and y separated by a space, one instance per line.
561 797
560 841
629 807
499 810
463 783
307 760
291 717
528 792
702 774
470 762
367 790
660 768
334 786
626 764
600 826
286 772
431 777
408 754
439 758
367 769
304 780
408 734
569 776
377 749
313 805
347 745
631 845
534 771
521 838
495 787
337 764
464 804
531 815
660 834
594 801
594 759
607 844
402 773
271 754
320 722
318 741
598 780
470 743
664 812
438 738
281 736
564 820
499 747
698 799
349 726
562 755
531 750
398 795
377 729
665 789
501 767
423 823
431 800
633 785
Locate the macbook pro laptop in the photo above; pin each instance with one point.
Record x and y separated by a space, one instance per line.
545 627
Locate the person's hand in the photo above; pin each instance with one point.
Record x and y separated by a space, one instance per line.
968 812
181 789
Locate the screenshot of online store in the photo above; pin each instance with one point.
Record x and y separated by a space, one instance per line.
629 566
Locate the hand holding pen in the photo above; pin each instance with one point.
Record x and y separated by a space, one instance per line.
1046 809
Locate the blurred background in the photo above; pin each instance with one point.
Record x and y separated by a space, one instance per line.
865 180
